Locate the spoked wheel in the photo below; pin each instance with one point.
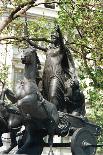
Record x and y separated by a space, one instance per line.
82 142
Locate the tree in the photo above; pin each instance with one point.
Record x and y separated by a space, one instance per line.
3 73
17 22
82 22
18 9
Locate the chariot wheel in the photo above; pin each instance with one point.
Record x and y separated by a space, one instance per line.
82 141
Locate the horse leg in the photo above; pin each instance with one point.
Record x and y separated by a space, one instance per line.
1 144
50 141
33 144
22 139
13 121
51 132
13 142
13 138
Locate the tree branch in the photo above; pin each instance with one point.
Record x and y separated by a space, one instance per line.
35 45
24 38
41 39
15 13
84 45
20 10
28 40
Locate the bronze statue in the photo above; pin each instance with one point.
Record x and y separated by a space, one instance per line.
59 65
41 113
54 71
6 116
75 99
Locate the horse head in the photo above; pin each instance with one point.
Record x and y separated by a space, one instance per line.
74 84
32 64
29 57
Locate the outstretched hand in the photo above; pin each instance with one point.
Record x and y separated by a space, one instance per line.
57 28
2 103
5 89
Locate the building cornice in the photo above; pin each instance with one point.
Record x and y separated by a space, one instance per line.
37 11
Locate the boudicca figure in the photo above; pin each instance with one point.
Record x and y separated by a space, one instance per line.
57 66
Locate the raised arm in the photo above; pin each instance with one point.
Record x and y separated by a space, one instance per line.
69 65
33 44
60 36
10 95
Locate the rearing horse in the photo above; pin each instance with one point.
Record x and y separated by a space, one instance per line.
6 116
40 113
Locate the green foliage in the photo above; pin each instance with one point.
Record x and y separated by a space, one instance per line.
96 108
4 73
83 25
14 2
39 27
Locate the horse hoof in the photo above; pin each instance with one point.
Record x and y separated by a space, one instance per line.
4 152
1 144
50 153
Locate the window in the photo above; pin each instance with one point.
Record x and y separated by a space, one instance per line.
18 75
51 6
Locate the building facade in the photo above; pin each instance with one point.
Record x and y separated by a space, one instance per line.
10 55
